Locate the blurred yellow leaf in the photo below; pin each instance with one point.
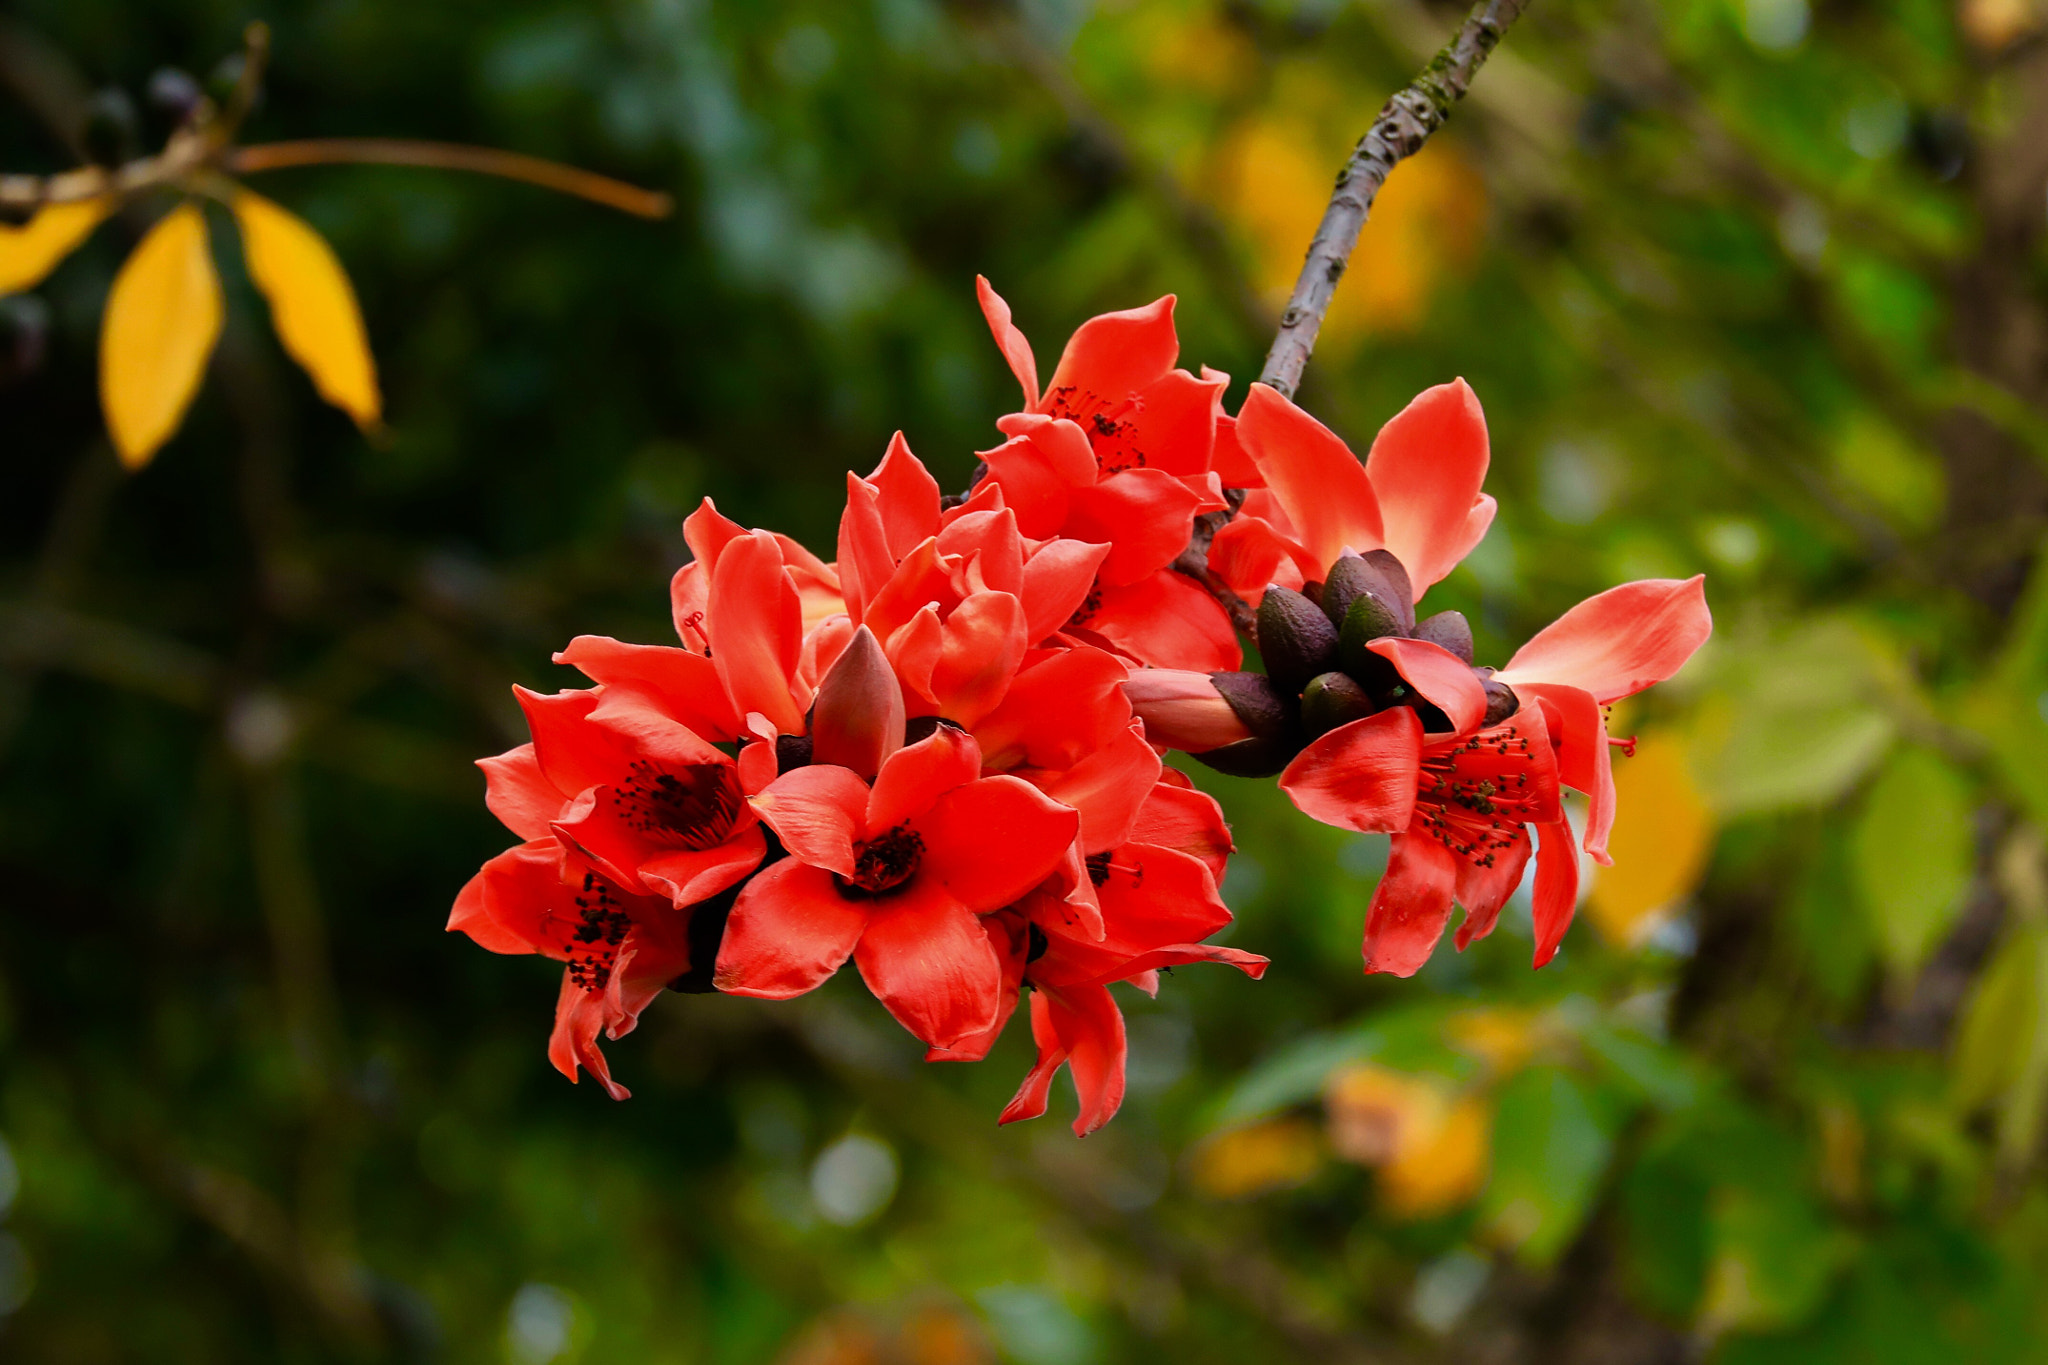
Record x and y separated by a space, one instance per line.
312 305
1264 1156
1995 25
1502 1037
1663 832
162 320
1431 1145
32 250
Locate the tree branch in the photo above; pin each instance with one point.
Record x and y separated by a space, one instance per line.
1398 133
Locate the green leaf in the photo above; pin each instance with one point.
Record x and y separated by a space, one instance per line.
1553 1135
2001 1048
1772 1261
1913 849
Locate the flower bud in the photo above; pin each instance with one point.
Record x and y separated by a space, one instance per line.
1366 621
1501 702
1331 700
857 721
1295 639
1449 630
1377 574
1183 709
1258 703
1250 757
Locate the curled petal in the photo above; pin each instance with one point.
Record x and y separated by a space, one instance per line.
1411 905
1248 554
1108 788
1083 1027
682 684
506 907
1032 487
1585 761
579 1018
1016 350
1619 642
1426 466
982 644
918 775
688 876
756 629
519 794
1111 357
914 651
1443 679
1179 817
708 531
1360 776
1312 474
817 812
1557 887
1058 708
1484 888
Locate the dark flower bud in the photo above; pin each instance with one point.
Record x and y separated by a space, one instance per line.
792 751
108 137
1250 757
1331 700
1365 622
1501 701
1295 639
1448 630
1256 701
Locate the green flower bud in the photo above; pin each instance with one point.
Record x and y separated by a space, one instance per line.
1331 700
1295 639
1450 630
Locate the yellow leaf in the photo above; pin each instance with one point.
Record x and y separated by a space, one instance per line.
1663 832
32 250
1265 1156
162 320
1432 1146
312 305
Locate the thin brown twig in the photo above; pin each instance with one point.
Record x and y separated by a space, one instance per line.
449 156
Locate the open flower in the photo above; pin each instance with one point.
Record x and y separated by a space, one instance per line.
895 876
1117 451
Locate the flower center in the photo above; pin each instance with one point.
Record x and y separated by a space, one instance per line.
1110 428
883 864
691 808
1474 798
594 943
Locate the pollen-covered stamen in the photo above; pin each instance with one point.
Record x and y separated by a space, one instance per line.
1110 426
693 807
884 864
1090 604
1475 797
600 927
1099 867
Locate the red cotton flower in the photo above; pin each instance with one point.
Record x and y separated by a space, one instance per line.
897 877
1117 451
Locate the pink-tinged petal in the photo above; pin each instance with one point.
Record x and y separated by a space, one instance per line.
1444 680
1585 761
823 643
757 630
1111 357
707 531
572 753
857 719
1620 642
1061 443
1557 887
1360 776
817 583
506 906
1478 521
983 643
1029 1101
865 563
1144 514
1174 428
914 651
925 957
1190 821
758 767
579 1016
909 497
1484 888
918 775
789 930
687 877
519 794
1312 474
1249 555
1183 710
990 841
1016 350
1108 788
1411 905
683 685
1058 709
1426 467
1007 935
689 599
990 543
1166 620
1032 488
1057 580
817 813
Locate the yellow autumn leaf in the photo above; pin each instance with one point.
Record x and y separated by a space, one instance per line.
1243 1162
163 318
31 250
312 305
1431 1145
1663 832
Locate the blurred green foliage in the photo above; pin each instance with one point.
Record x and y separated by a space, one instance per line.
1747 286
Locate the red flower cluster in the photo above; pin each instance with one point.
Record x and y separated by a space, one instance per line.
939 755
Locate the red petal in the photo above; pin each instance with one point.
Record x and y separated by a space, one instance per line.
1411 906
1029 1101
1168 621
573 754
684 686
1180 817
689 593
1057 580
789 930
1619 642
817 813
1228 457
925 957
823 644
922 579
865 563
519 794
1057 710
989 544
1314 475
1032 488
1083 1028
1484 890
1108 788
1557 887
909 500
982 644
757 630
1174 428
579 1015
687 877
1061 444
1006 934
1016 350
914 653
918 775
990 841
1153 900
1443 679
1248 555
1360 776
1426 467
1111 357
857 718
1144 514
505 907
1585 761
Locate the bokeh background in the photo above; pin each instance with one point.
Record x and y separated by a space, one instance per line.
1749 287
